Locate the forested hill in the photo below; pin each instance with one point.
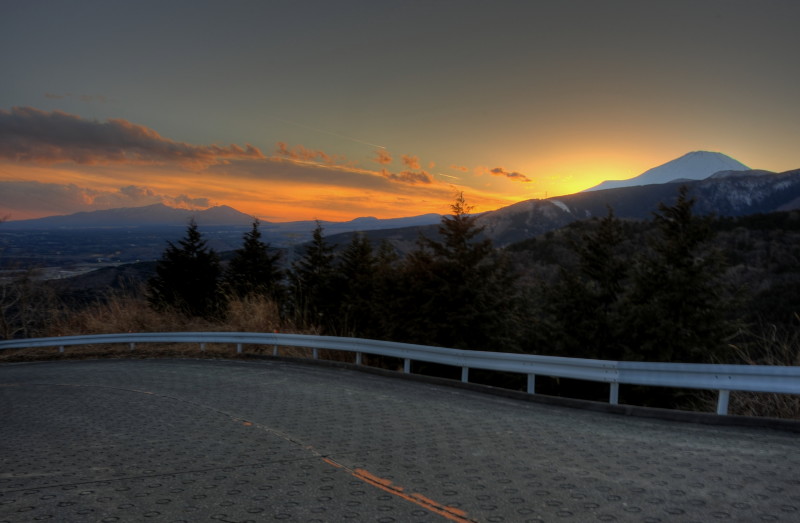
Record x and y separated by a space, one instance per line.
728 193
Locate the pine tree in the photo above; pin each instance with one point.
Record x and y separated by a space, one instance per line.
386 291
459 292
584 305
313 283
253 270
677 308
357 273
188 277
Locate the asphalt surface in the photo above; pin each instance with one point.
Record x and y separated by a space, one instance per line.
225 441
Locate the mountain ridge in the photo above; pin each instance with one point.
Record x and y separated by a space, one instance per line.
742 194
155 214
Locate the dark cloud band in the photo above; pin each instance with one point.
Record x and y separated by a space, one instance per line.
32 135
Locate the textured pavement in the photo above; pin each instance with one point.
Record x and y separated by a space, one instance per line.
225 441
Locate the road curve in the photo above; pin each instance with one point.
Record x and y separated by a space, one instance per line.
227 441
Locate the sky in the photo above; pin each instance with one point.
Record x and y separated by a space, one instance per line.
332 110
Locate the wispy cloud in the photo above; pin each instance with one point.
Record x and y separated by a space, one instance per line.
410 177
383 157
301 153
412 162
32 135
511 175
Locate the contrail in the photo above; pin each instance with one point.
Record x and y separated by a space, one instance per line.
334 134
448 176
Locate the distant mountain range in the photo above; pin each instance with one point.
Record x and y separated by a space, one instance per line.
151 215
160 216
720 185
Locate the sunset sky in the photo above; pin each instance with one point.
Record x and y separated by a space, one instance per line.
295 110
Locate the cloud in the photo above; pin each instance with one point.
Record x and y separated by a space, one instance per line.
32 135
383 157
519 177
300 153
412 162
141 195
460 168
23 199
410 177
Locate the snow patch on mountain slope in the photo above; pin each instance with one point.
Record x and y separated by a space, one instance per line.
561 205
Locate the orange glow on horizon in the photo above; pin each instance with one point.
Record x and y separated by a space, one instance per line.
120 186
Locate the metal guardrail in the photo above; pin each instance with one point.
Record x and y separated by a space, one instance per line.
722 378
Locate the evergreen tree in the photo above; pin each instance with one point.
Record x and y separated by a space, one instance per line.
357 272
386 291
584 305
313 283
677 308
188 277
458 291
253 269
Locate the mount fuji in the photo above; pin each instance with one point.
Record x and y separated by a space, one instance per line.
697 165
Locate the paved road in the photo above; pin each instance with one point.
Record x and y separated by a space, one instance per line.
224 441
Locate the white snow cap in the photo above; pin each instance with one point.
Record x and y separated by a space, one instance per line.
696 165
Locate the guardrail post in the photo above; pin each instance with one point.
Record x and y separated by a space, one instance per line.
531 383
464 374
407 366
722 402
203 347
613 394
274 350
358 358
132 345
61 348
315 353
238 348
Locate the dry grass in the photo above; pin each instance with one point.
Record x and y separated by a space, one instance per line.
120 313
768 345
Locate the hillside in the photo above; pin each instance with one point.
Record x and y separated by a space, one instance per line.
739 195
729 193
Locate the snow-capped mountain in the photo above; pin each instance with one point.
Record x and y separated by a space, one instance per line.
697 165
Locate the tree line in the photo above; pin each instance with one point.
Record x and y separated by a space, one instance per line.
661 300
455 291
